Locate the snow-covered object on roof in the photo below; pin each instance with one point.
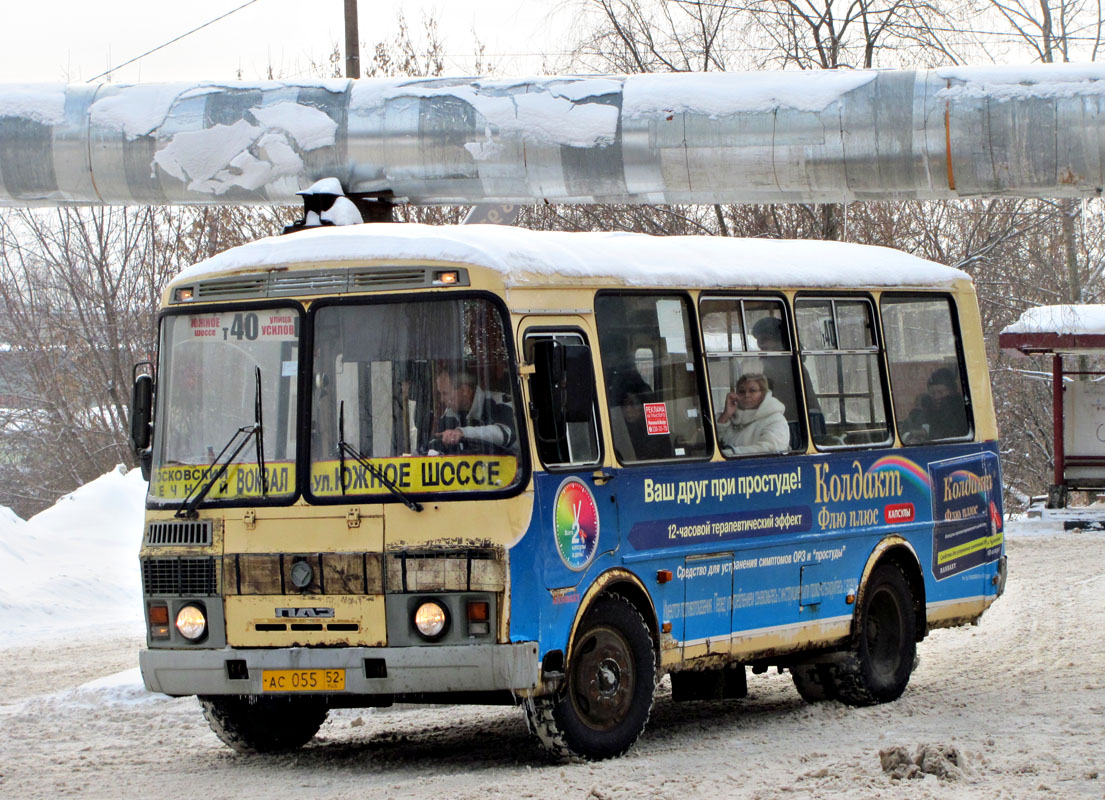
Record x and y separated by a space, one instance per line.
324 186
1064 319
526 257
792 136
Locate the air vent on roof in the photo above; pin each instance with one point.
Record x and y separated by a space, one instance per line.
388 277
249 286
286 283
308 283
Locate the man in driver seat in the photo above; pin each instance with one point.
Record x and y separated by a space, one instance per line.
472 418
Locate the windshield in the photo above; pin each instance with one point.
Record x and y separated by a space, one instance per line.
207 390
421 390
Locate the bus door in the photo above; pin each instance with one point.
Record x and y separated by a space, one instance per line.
707 604
574 498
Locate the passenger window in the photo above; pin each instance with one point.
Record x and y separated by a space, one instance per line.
565 437
840 359
652 387
748 345
926 369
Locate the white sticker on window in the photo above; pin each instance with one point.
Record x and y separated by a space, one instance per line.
289 369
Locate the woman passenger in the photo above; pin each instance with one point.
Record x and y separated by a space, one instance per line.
753 420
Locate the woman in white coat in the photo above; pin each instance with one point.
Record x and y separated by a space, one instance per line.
753 420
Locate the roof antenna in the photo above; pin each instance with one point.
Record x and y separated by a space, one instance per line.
325 203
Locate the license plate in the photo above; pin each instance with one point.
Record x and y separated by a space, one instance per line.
303 680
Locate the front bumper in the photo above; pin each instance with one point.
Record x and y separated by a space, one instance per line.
441 669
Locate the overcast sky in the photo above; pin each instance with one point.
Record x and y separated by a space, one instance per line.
74 40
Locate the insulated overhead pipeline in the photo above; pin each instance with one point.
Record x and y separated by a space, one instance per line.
1036 131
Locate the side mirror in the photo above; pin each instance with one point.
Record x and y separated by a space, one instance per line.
577 383
141 404
563 387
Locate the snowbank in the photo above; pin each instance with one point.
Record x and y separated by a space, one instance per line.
74 567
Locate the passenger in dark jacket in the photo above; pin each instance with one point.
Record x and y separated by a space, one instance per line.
940 413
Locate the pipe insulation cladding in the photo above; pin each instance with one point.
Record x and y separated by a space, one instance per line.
769 137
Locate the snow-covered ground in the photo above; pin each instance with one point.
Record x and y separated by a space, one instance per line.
1021 696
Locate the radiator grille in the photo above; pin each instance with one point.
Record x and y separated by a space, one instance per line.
179 533
179 576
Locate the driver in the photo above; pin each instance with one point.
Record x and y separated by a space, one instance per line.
472 415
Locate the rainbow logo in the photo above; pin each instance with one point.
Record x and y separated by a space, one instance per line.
962 475
575 524
914 473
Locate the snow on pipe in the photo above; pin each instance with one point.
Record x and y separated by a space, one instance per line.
679 138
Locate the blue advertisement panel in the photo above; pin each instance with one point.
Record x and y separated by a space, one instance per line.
758 545
967 526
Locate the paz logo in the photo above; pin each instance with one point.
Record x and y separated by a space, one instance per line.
575 524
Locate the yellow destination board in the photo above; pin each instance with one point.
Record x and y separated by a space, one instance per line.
415 474
240 480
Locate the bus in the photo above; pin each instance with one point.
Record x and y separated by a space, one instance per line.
395 463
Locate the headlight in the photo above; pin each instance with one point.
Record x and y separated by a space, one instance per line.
191 623
430 620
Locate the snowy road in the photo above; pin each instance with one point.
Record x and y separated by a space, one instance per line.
1022 696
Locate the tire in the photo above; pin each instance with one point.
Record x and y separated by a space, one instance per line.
877 668
815 682
608 690
264 724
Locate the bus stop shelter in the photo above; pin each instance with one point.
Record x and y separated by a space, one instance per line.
1078 405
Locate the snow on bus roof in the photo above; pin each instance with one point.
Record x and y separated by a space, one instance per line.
524 257
1070 320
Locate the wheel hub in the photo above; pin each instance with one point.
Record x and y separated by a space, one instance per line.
602 679
608 678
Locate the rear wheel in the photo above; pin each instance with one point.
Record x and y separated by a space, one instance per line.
815 682
878 668
264 724
609 686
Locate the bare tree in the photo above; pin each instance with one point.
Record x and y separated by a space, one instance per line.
79 289
79 294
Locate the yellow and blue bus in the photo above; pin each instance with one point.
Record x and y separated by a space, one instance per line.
400 463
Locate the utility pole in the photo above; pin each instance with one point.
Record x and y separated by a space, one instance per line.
352 41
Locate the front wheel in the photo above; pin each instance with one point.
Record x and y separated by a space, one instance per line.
878 667
264 724
609 686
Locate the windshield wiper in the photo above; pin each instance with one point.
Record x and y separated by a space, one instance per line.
344 448
189 504
259 433
255 431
